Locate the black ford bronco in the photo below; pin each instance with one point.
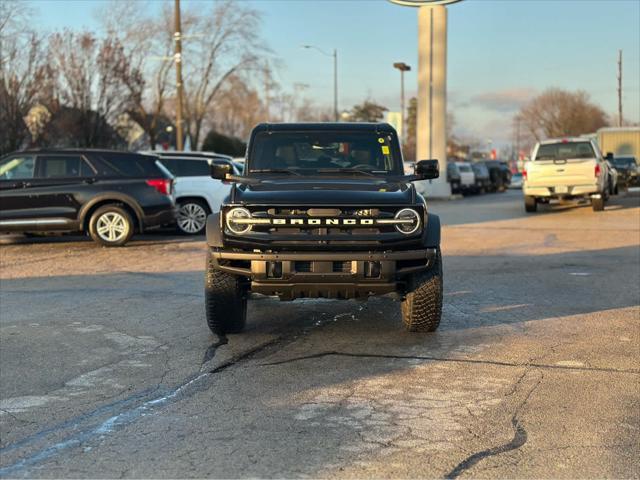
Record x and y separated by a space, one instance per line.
323 211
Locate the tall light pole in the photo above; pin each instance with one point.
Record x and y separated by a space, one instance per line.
403 67
179 87
335 76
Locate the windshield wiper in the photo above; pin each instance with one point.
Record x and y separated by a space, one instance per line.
275 170
344 170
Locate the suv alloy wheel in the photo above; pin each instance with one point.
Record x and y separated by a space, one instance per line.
111 226
192 217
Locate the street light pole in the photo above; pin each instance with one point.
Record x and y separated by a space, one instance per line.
335 85
403 67
179 88
335 76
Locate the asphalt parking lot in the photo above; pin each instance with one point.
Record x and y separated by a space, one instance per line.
108 368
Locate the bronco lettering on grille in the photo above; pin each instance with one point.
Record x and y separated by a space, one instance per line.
322 221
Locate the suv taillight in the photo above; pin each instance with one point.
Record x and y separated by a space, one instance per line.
524 173
597 170
162 185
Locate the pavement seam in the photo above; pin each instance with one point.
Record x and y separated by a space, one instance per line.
446 359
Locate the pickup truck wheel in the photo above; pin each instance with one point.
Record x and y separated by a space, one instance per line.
422 306
111 226
530 204
225 301
597 204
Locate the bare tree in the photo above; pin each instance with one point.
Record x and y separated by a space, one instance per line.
89 74
148 43
24 74
217 46
237 109
558 113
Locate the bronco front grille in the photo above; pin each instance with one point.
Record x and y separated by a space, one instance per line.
353 226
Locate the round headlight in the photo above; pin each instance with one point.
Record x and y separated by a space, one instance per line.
410 221
236 226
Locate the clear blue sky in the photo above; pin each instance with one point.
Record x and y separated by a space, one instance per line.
500 51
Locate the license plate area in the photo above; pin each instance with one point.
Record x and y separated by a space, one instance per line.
562 189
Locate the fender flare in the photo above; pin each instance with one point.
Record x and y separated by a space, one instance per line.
432 234
111 197
214 231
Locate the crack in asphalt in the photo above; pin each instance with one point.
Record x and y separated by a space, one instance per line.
518 440
446 359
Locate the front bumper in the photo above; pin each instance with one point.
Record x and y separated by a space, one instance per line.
355 274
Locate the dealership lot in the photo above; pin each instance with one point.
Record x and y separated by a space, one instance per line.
108 368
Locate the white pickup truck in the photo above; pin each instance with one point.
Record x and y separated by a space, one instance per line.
565 169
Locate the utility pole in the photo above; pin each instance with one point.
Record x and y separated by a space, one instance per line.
179 87
403 67
619 88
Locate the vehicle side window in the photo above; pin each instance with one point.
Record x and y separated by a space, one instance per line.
194 168
128 165
59 166
86 170
17 168
172 165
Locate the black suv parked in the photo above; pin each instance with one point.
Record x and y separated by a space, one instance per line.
108 194
499 174
324 210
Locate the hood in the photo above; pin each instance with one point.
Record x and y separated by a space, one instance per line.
322 191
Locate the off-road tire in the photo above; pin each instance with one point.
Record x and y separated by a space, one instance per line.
225 301
422 305
104 210
597 204
530 204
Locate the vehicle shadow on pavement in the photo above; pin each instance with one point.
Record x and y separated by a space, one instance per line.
138 240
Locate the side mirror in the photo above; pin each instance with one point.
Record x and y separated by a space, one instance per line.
428 169
609 156
219 171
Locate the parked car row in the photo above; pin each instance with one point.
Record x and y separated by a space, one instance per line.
478 177
109 195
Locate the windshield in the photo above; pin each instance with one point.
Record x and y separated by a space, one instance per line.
464 168
322 152
564 151
624 162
